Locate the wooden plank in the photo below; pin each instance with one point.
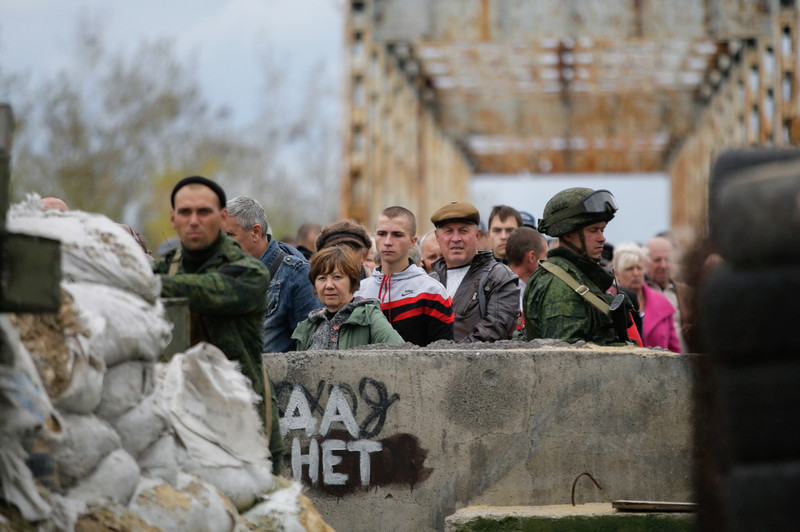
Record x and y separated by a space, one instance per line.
653 506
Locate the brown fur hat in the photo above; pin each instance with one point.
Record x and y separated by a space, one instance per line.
348 232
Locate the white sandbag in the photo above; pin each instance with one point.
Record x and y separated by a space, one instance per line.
191 505
17 485
280 506
59 346
93 247
211 405
85 388
113 481
134 328
85 441
160 461
125 386
243 485
25 406
143 424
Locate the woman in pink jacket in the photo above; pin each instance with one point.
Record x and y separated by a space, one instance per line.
658 327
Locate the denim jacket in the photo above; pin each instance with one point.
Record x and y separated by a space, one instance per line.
291 296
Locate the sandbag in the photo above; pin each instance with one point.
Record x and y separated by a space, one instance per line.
17 485
160 461
243 485
93 247
59 346
191 505
86 440
24 404
125 386
134 329
281 506
211 405
113 481
142 425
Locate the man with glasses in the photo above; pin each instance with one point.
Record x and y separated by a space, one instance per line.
566 298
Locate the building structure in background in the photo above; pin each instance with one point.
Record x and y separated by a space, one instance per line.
441 90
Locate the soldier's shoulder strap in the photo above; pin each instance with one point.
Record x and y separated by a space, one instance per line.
176 259
581 289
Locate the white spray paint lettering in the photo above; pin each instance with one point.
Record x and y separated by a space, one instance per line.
298 416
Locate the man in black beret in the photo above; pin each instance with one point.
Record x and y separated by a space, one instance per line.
226 288
485 292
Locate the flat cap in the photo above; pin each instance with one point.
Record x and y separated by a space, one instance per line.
348 232
456 212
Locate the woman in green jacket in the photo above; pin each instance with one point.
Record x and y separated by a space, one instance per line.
346 321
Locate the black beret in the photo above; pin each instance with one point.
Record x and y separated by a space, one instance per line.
199 180
456 212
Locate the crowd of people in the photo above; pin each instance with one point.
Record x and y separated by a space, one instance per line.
341 286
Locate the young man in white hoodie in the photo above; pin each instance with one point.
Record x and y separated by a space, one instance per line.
416 305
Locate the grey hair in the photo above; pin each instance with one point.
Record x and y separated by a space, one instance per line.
422 240
415 253
248 212
629 254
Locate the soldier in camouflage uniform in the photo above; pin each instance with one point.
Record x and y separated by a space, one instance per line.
578 217
226 287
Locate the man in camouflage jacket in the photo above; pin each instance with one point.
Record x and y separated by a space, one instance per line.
226 287
552 309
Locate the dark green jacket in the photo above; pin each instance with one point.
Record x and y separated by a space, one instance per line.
554 310
228 294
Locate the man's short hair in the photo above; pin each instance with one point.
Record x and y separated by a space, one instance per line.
199 180
396 212
522 240
503 212
424 237
305 230
248 212
342 257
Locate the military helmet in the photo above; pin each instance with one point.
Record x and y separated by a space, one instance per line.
574 208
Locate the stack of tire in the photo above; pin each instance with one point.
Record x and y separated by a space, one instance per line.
749 320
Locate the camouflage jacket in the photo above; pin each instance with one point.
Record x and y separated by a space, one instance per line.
554 310
228 296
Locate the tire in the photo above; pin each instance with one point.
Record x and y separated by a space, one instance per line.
754 207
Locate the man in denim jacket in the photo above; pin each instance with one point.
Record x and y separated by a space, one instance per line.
291 295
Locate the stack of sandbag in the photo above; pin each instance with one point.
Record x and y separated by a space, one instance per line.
95 432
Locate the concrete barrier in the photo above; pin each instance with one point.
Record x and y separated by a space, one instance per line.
580 518
392 439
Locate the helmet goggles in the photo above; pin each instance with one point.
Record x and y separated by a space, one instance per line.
598 202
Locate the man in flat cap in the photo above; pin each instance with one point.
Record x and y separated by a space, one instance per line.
485 292
226 288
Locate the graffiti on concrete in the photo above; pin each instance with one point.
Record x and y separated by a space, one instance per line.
331 450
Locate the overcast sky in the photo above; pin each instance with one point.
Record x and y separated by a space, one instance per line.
643 199
225 37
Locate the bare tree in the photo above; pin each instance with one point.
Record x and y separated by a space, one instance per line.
112 133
